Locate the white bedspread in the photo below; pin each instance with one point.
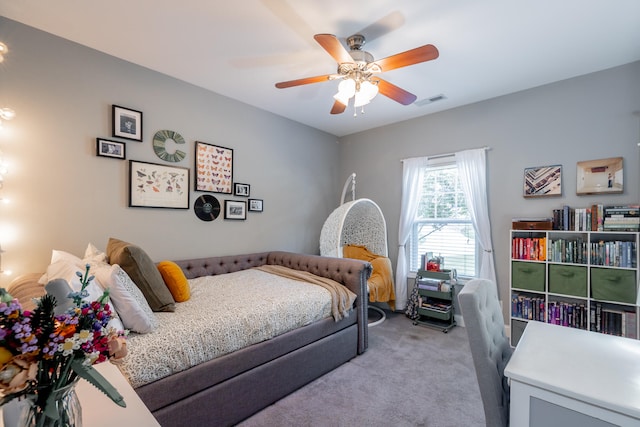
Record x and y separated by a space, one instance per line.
225 313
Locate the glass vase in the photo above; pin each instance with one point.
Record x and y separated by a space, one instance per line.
67 407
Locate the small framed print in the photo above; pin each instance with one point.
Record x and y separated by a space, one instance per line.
543 181
241 189
108 148
255 205
235 209
127 123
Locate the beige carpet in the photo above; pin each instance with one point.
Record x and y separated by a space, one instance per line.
410 376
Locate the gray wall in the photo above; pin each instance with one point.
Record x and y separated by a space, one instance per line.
64 197
585 118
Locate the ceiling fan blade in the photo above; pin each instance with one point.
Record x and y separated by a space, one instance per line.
338 108
304 81
394 92
382 26
332 45
410 57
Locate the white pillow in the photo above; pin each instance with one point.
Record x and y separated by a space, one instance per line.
67 270
93 255
127 299
58 256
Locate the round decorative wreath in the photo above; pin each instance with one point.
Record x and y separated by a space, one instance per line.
159 141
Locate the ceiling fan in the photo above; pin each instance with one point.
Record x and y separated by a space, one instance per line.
358 71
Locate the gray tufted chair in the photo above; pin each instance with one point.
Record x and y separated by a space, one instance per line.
490 347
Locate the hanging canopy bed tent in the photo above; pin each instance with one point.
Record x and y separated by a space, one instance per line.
357 229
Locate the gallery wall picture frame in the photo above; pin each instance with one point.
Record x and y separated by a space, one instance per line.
158 186
242 190
601 176
126 123
214 168
112 149
543 181
255 205
235 209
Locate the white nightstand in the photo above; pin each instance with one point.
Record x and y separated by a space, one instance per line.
99 411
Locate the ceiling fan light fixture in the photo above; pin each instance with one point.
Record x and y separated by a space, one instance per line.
347 87
341 98
369 89
346 90
360 99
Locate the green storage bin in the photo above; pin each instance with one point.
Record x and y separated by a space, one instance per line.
527 275
568 280
612 284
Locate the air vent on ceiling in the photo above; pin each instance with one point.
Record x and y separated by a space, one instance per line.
430 100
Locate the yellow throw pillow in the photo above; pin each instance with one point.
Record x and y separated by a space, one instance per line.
175 280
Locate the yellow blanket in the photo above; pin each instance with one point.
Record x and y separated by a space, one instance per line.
381 281
341 297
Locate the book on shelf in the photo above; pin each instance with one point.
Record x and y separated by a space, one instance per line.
529 248
527 307
568 250
622 211
613 254
571 314
597 217
614 321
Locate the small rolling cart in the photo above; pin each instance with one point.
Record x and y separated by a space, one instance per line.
435 299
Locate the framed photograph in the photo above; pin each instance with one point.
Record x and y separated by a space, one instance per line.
127 123
214 168
108 148
599 176
255 205
158 186
543 181
235 209
241 189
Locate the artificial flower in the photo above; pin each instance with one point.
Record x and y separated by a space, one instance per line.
41 351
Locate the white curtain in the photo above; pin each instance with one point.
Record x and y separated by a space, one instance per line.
412 175
472 170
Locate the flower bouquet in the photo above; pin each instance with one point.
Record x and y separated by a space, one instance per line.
50 348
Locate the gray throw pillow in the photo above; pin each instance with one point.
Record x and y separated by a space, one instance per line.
144 273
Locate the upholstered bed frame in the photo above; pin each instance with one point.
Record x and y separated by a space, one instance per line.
231 388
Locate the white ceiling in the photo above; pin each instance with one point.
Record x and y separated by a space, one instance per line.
240 49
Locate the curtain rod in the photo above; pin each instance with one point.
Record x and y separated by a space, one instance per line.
440 156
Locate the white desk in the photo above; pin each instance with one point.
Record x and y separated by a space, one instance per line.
573 377
100 411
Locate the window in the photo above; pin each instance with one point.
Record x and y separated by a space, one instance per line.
443 225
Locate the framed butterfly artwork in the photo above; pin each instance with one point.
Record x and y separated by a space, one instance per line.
214 168
158 186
